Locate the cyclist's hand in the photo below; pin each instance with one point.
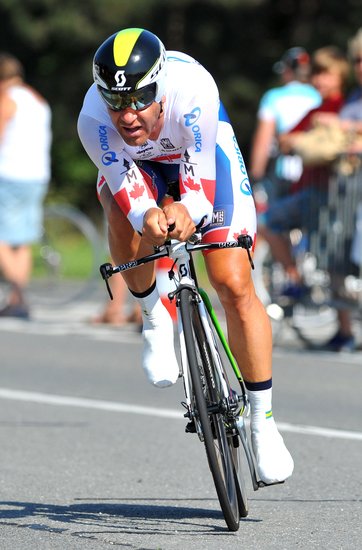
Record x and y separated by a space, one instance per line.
155 228
176 213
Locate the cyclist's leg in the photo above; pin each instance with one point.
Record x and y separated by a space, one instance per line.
250 342
229 270
247 321
158 359
249 328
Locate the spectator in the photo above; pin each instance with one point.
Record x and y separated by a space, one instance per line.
350 115
329 73
25 139
352 110
280 110
351 121
330 70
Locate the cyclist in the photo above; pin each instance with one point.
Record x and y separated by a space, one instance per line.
152 117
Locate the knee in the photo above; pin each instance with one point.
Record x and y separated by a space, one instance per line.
235 291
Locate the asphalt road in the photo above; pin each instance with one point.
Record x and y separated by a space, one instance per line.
92 456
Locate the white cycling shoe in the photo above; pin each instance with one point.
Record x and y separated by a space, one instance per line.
158 358
274 462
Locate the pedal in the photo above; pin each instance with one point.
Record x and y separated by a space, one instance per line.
263 484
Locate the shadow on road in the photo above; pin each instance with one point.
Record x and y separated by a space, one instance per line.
96 518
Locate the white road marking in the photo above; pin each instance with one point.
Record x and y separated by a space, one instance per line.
79 328
68 401
344 358
82 329
316 430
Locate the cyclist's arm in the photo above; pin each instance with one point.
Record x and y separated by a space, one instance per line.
105 148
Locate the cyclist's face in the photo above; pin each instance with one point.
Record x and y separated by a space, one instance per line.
136 127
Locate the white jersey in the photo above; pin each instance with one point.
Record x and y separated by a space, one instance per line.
192 130
25 144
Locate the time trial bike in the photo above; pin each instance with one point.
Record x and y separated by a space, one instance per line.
214 410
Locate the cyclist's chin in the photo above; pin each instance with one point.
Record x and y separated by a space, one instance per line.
134 137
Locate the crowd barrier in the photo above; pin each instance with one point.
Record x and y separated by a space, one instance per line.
335 238
332 218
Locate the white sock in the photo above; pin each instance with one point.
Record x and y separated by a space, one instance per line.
273 460
150 305
158 359
261 409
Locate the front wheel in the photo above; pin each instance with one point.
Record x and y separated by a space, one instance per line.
208 411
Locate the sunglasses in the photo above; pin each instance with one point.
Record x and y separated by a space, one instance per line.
137 100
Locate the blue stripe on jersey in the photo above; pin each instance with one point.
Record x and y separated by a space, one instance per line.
224 197
223 116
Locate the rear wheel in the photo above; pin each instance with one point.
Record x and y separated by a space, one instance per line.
209 413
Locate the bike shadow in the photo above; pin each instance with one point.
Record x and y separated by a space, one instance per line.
115 517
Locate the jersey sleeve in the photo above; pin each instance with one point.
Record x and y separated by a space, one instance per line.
105 148
198 124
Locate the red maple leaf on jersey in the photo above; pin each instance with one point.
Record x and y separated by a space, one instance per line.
137 191
192 185
242 232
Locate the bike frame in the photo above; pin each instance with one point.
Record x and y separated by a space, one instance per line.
181 255
185 279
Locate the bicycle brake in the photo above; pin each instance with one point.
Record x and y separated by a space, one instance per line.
245 241
107 272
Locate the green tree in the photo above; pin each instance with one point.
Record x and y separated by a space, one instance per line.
56 41
236 40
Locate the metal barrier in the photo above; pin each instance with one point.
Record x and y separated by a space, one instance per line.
335 238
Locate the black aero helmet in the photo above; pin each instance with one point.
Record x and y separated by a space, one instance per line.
129 69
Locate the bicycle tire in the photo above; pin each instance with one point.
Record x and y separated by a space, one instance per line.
66 261
218 445
239 478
